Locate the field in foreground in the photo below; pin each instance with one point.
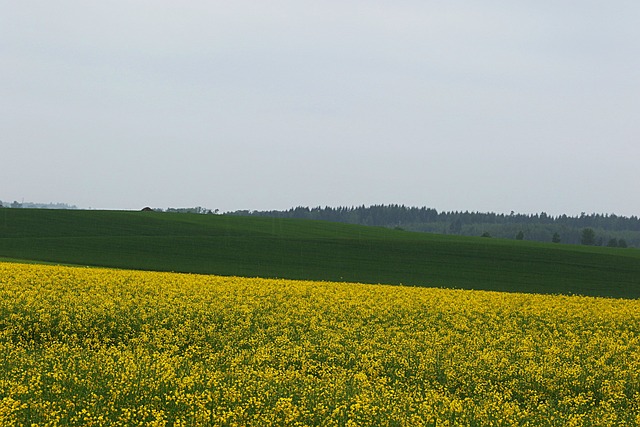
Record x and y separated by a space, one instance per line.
110 347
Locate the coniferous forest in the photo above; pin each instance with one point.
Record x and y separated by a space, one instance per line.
587 229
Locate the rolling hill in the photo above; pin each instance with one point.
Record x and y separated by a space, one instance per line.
314 250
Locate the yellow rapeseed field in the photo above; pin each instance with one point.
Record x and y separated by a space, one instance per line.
101 347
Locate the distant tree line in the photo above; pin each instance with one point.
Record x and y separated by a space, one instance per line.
30 205
196 210
602 229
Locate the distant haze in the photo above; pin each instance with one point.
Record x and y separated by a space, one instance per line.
461 105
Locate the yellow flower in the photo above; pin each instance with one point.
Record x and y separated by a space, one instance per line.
113 347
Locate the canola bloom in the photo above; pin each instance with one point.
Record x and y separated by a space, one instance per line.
99 347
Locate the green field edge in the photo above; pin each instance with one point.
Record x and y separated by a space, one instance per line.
313 250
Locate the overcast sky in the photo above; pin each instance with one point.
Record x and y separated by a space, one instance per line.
527 106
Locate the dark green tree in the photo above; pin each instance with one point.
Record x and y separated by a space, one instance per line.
456 226
622 243
613 243
520 235
588 237
555 238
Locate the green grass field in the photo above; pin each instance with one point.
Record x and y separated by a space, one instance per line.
313 250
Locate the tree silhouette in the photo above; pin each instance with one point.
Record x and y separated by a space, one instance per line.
588 237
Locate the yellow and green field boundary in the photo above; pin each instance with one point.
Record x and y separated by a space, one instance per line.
313 250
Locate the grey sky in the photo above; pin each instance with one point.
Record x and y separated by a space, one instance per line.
456 105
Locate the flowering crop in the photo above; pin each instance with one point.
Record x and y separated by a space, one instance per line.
102 347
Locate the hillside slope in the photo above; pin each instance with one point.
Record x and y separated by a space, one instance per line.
317 250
